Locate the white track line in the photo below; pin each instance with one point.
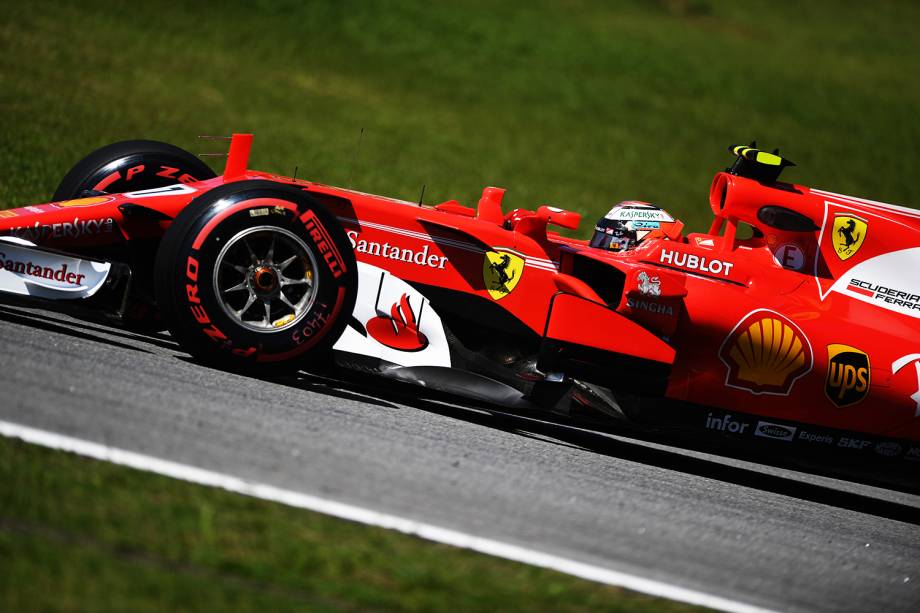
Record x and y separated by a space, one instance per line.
508 551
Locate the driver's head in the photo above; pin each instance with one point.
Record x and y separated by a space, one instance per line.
613 235
627 224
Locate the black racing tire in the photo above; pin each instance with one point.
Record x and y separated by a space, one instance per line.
223 251
131 165
134 165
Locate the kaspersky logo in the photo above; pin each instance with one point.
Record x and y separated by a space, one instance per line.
848 375
765 353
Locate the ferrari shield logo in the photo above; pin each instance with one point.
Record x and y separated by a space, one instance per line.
849 234
501 271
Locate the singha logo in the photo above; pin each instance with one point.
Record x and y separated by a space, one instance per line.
649 286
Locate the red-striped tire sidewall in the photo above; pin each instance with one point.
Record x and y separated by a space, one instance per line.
130 166
184 272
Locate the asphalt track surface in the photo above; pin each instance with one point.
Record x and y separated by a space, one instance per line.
757 534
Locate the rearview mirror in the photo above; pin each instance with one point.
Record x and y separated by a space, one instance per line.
559 217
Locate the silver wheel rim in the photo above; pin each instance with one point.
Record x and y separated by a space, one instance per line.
264 279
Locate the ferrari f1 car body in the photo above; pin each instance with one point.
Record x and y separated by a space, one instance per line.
795 319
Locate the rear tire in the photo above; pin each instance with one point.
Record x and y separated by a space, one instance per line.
131 165
256 275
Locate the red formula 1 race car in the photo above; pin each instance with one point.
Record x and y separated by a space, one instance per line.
795 319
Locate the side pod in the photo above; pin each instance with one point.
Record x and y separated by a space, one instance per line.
613 352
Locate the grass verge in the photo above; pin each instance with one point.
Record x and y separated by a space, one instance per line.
79 534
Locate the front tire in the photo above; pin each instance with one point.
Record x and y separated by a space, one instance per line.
256 274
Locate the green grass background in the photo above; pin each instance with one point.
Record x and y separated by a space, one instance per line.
82 535
566 102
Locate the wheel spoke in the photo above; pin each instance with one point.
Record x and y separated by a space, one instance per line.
287 262
271 250
285 300
279 299
239 286
249 301
285 281
252 254
303 300
268 312
240 269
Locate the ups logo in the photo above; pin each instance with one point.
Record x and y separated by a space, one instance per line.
848 375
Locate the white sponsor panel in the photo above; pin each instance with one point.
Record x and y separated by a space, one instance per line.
32 272
399 324
889 281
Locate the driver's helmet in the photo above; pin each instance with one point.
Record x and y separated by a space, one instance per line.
627 224
613 234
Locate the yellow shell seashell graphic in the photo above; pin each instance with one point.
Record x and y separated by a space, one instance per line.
766 354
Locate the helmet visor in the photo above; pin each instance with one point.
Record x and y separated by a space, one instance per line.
611 236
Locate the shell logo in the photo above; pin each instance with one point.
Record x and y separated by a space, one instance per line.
766 353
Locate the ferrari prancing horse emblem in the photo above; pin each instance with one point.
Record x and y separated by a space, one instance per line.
849 234
501 271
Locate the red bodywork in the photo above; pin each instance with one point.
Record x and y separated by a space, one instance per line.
737 329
